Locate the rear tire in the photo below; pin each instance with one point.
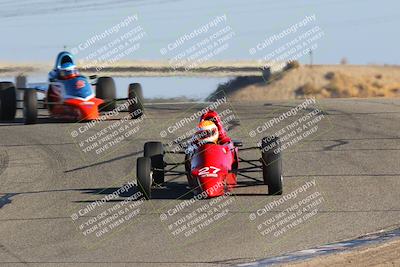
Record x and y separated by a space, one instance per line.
144 176
135 94
8 101
155 151
105 89
30 106
272 165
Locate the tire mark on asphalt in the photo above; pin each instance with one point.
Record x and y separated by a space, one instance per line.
54 158
4 161
104 161
7 251
339 142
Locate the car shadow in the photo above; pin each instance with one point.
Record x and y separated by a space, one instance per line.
171 190
6 199
168 191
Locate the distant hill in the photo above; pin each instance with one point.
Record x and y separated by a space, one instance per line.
142 68
321 81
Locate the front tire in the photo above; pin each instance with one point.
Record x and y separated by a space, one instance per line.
135 94
155 151
30 106
105 89
272 164
144 176
8 101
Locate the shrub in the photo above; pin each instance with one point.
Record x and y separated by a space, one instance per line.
329 75
307 89
293 64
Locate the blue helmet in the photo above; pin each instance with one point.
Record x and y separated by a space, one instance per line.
62 58
67 70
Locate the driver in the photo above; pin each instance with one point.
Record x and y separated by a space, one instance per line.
213 116
206 133
209 130
66 71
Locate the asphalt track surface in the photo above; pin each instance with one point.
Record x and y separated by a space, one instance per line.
45 178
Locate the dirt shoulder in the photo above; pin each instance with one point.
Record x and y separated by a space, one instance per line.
387 254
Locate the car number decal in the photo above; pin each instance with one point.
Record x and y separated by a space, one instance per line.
209 171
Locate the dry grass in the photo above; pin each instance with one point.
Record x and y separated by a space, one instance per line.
326 82
344 85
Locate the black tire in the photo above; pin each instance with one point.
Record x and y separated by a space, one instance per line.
135 93
8 101
105 89
144 176
30 106
272 164
155 151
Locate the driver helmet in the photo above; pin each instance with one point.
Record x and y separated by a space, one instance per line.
206 132
67 71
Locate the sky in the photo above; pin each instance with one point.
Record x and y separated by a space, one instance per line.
362 31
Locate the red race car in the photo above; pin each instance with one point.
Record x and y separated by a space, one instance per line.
212 162
68 95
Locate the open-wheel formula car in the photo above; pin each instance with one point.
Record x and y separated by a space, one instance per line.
212 169
68 95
